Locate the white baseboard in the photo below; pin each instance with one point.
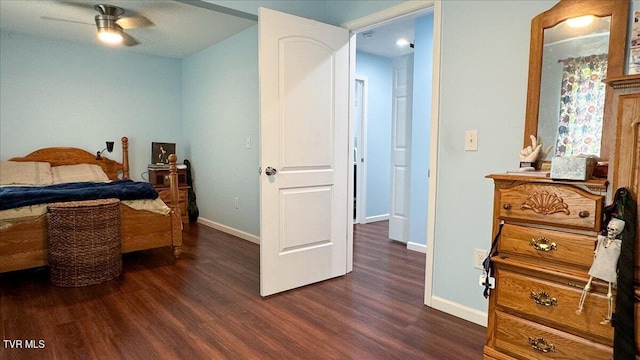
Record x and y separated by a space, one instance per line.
229 230
461 311
417 247
370 219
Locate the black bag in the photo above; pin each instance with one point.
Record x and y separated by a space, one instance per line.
487 265
624 208
192 207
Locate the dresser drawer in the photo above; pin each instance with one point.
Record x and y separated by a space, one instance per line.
557 205
513 337
522 293
540 244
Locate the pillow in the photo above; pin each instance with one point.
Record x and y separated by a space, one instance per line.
25 173
78 173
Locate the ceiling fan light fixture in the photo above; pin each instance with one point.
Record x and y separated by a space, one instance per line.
108 31
110 36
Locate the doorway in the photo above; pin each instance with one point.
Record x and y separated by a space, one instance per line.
360 107
382 156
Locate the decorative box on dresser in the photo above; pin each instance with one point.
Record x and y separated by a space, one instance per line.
159 178
625 171
544 253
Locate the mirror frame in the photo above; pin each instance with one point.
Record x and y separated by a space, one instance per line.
566 9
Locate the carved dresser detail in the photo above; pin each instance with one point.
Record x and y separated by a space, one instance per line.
544 253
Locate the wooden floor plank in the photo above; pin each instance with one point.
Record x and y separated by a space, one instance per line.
206 305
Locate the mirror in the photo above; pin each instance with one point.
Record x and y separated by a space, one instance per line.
566 96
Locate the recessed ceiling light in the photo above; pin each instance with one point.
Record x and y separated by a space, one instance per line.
402 42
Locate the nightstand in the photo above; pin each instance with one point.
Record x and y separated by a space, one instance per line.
159 178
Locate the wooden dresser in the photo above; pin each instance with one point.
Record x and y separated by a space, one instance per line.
544 253
546 248
625 171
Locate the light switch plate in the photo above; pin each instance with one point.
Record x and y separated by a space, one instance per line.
471 140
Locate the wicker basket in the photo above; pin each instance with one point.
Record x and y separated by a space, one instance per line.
84 242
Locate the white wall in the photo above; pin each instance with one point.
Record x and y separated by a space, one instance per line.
56 93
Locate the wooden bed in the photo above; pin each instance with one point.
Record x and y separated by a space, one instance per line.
24 244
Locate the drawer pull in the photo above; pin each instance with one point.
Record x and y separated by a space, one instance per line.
583 214
543 244
543 298
541 345
506 206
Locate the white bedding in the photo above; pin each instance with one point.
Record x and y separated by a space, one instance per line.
41 173
34 211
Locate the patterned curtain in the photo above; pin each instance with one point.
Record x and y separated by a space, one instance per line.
581 105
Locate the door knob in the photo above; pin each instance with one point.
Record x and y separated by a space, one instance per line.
270 171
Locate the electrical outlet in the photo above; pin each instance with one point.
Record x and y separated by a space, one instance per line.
478 258
236 202
482 281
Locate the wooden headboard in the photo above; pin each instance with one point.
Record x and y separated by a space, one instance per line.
57 156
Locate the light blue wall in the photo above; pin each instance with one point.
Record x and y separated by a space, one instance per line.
379 71
311 9
421 127
336 12
483 86
220 102
56 93
342 11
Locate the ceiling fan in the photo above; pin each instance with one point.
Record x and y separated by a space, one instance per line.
110 23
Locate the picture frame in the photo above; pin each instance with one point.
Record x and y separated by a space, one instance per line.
160 152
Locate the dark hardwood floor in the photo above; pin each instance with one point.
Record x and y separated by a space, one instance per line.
207 305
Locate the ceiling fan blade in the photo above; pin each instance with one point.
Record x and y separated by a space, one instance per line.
65 20
134 22
76 4
129 40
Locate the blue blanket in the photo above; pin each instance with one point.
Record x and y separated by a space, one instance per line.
17 196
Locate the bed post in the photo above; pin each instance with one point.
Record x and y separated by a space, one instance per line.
176 218
125 157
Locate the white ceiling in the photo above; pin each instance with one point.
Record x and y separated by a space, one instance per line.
181 28
382 40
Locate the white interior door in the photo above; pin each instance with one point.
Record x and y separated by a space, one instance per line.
401 148
360 146
304 92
